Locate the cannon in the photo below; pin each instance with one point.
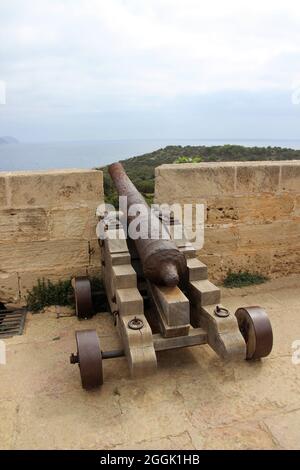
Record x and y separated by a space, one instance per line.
159 296
161 261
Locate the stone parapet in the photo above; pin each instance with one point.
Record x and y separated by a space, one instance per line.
252 212
47 227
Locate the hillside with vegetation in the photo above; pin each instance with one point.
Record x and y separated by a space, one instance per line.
140 169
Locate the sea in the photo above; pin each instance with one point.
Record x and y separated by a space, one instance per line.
98 153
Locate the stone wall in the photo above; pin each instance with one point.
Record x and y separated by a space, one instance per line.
47 227
252 212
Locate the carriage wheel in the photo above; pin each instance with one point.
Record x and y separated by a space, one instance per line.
89 358
255 326
83 297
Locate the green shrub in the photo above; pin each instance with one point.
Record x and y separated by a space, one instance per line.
47 293
145 186
188 160
243 278
149 198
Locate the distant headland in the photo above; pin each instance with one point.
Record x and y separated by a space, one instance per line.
8 140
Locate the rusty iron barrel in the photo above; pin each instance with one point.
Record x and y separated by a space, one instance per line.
162 262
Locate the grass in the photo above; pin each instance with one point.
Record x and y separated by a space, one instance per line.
243 278
46 293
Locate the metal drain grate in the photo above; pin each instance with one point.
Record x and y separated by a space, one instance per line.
12 322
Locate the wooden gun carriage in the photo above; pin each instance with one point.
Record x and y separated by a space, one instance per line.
162 305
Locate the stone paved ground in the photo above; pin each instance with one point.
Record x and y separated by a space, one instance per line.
195 401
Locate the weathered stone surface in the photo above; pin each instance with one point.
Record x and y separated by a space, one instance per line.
55 188
251 222
268 208
286 261
250 209
219 238
201 179
173 442
222 210
72 223
9 287
296 212
276 235
240 436
163 418
252 261
258 261
46 221
23 225
195 400
9 410
290 177
38 255
94 253
3 198
53 428
213 263
285 429
257 179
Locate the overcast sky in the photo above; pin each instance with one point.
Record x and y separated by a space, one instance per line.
115 69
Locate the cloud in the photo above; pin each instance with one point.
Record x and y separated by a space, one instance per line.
99 56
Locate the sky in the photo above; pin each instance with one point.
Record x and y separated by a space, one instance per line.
132 69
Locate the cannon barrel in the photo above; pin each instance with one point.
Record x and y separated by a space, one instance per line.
162 262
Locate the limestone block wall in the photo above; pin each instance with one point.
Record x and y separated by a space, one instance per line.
47 227
252 212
